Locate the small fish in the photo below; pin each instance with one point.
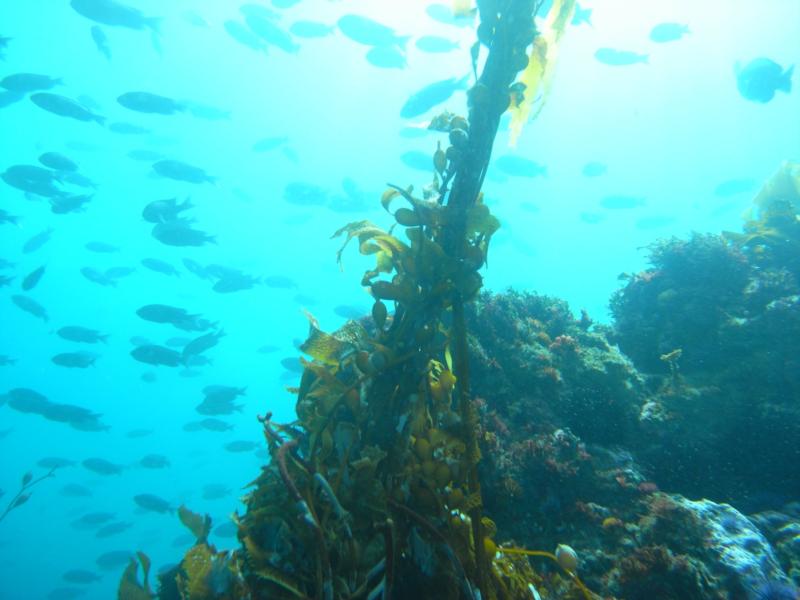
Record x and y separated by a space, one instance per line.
202 343
304 194
83 335
154 461
129 129
228 529
154 354
668 32
33 179
97 277
24 83
179 317
75 490
267 349
591 218
209 424
350 312
178 233
761 78
6 217
145 155
101 247
386 57
445 14
420 161
32 279
74 360
164 211
269 143
620 201
280 281
241 446
69 204
153 503
8 98
732 187
65 107
57 161
215 491
431 95
272 34
7 361
194 18
55 462
29 305
517 166
101 41
112 529
369 32
435 44
114 14
310 29
114 560
245 36
209 113
181 171
594 169
292 364
160 266
92 520
101 466
153 104
619 58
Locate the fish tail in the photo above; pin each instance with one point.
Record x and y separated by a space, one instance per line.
103 338
785 84
99 119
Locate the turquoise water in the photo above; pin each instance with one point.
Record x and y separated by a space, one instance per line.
674 138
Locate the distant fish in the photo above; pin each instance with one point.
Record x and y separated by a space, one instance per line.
160 266
6 217
215 491
619 58
620 201
181 234
304 194
270 143
418 160
310 29
241 446
75 333
98 277
112 529
164 211
75 490
114 560
62 205
101 247
444 14
194 18
8 98
518 166
731 187
245 36
272 34
348 311
761 78
153 354
74 360
145 102
65 107
128 128
386 57
115 14
101 41
181 171
369 32
435 44
280 281
154 461
101 466
37 241
3 45
33 179
145 155
668 32
57 161
153 503
594 169
205 111
24 83
591 218
29 305
32 279
431 96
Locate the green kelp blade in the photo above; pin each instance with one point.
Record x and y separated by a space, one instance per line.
129 586
199 525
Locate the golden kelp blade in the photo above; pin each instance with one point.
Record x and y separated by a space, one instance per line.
538 75
783 186
463 8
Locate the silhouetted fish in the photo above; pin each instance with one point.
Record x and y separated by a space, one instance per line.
145 102
369 32
181 171
116 14
761 78
65 107
101 41
25 83
430 96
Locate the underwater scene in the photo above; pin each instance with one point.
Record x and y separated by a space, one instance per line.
386 300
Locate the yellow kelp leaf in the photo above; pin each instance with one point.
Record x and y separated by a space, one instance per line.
199 525
538 75
129 586
323 347
481 220
363 230
783 186
197 565
463 8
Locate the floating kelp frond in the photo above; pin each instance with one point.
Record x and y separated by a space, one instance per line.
129 586
199 525
537 77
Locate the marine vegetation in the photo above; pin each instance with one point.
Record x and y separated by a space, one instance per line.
374 491
24 493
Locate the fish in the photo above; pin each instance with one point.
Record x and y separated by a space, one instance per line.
761 78
153 503
160 266
151 104
202 343
281 282
69 204
215 491
270 143
101 247
112 529
445 14
267 349
138 433
431 95
241 446
24 83
32 279
164 211
181 171
177 342
620 201
209 424
101 466
594 169
65 593
668 32
239 32
235 283
153 354
179 317
92 520
7 361
415 159
83 335
98 277
154 461
435 44
29 305
204 111
54 462
732 187
26 400
620 58
351 312
144 155
5 280
124 128
194 18
65 107
74 360
228 529
310 29
3 45
591 218
8 98
149 377
178 233
58 162
364 30
304 194
33 179
386 57
292 364
115 14
518 166
114 560
75 490
272 34
195 268
6 217
101 41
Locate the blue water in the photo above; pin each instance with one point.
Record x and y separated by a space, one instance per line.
669 132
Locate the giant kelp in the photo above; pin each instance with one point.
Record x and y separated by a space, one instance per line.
373 492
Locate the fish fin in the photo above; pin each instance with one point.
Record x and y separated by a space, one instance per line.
103 338
99 119
785 84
